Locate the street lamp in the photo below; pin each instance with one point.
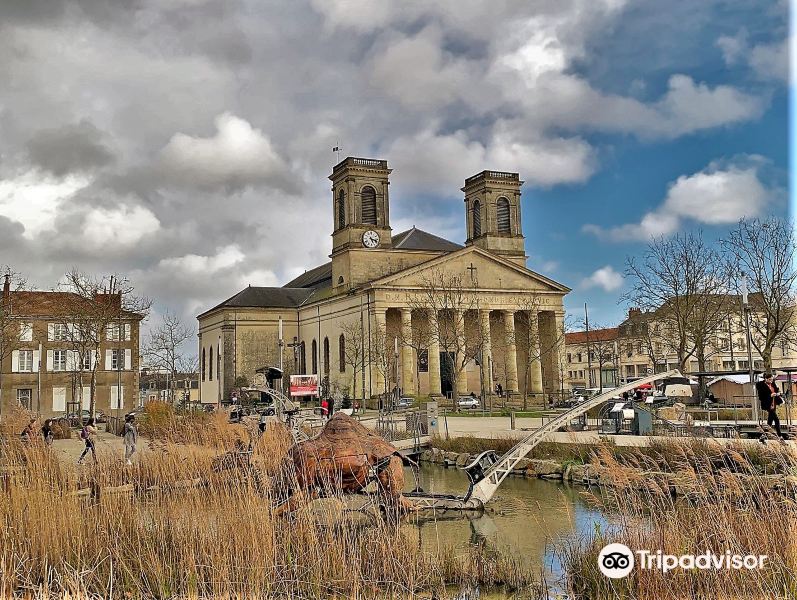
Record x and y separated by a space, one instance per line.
746 307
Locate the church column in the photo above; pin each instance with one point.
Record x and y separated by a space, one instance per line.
534 351
380 355
487 352
434 356
462 378
407 372
511 352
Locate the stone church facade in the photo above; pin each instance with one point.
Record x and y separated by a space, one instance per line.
410 310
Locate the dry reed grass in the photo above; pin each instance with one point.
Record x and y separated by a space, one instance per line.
219 539
728 499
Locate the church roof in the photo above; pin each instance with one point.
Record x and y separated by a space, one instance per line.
412 239
266 297
417 239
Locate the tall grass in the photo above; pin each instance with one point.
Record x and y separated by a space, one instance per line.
220 537
730 500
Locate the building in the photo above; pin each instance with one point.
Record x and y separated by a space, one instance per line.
46 366
638 347
590 358
503 324
158 386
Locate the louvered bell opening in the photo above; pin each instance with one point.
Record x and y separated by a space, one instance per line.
477 219
368 197
502 215
342 210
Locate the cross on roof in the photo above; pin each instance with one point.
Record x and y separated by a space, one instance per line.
472 270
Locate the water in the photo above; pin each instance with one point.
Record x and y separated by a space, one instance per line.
527 517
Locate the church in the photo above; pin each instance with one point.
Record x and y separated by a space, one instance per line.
406 311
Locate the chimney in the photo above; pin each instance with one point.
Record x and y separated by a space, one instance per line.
7 287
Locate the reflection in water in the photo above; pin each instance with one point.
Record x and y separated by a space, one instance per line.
524 518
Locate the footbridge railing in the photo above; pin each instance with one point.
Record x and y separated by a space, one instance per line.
495 475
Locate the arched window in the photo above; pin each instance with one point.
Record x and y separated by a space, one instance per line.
341 209
340 280
502 215
210 373
315 357
368 199
203 364
477 219
326 356
342 353
302 360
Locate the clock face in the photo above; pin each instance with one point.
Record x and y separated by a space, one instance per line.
370 239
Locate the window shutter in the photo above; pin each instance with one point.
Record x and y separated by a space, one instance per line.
71 362
128 359
127 332
15 361
116 400
368 202
93 358
59 399
50 331
49 360
108 360
502 215
36 361
86 400
26 332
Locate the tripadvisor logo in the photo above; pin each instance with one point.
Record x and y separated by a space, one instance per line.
617 561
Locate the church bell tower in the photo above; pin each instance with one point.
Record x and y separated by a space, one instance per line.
361 214
492 214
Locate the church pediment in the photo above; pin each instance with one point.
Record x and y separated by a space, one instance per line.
479 269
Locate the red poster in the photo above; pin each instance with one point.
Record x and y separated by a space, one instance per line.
304 385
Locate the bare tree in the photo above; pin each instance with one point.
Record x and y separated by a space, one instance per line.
164 349
381 354
765 250
447 300
419 338
12 307
680 278
355 353
97 309
530 344
601 350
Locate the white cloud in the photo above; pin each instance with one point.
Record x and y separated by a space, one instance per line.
121 225
194 264
34 198
237 155
717 195
768 61
605 278
430 162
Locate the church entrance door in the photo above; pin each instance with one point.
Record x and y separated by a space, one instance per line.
447 374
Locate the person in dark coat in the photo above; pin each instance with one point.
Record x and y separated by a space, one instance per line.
769 397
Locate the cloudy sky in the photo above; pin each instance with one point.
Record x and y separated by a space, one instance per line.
186 143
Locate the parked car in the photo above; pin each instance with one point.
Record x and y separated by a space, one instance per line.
81 417
469 402
405 403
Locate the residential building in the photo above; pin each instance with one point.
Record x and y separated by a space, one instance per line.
591 358
47 369
155 385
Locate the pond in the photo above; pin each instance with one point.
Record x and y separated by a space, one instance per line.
526 517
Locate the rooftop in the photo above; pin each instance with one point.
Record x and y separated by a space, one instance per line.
593 335
412 239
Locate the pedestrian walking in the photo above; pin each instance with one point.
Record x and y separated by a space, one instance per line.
324 408
89 435
47 432
27 433
769 398
263 423
130 437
